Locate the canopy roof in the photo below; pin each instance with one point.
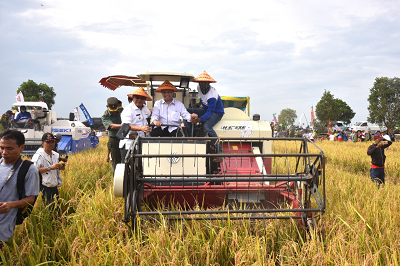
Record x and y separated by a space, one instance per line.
31 104
114 82
162 76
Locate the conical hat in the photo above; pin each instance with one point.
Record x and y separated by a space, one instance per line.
204 77
166 86
140 92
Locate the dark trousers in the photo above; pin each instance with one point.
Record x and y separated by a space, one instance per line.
158 132
48 194
113 147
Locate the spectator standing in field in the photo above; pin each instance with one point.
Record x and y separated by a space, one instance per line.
355 136
12 143
112 122
368 136
48 163
377 153
135 114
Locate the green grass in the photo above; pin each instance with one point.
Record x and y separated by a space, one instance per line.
361 223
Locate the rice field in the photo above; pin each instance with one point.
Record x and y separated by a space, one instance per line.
361 223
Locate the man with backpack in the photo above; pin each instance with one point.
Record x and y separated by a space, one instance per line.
19 183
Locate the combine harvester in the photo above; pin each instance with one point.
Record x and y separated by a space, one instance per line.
75 136
260 177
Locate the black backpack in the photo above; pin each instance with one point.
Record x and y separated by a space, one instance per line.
25 211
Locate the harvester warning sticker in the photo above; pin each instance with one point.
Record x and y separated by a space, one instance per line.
245 128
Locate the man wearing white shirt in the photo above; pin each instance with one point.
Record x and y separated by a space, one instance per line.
48 163
135 114
168 111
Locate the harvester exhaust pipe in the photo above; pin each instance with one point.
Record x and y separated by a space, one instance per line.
71 116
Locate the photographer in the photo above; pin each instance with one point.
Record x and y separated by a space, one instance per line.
47 161
377 153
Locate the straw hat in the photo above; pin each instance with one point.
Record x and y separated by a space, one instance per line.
166 86
140 92
204 77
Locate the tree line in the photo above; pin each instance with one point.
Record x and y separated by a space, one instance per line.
383 108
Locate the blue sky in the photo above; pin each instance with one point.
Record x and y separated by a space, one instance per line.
283 54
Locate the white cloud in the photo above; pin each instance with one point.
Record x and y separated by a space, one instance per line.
283 54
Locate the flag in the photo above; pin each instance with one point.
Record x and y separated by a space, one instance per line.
20 97
312 115
77 118
276 120
86 113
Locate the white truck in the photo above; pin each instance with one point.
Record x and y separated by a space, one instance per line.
364 125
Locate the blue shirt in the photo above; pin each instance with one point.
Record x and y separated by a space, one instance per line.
23 117
10 193
211 102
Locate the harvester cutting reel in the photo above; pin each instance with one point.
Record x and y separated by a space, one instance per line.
178 179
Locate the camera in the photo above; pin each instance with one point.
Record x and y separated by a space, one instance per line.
384 142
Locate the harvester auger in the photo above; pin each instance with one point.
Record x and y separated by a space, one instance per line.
177 178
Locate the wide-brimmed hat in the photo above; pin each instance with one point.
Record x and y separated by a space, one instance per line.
48 137
204 77
140 92
166 86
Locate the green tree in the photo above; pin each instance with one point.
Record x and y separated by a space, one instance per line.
329 108
287 117
37 92
384 102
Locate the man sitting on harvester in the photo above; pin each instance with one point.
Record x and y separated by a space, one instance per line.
135 114
212 108
168 111
23 116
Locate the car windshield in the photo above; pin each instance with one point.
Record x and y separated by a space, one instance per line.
358 123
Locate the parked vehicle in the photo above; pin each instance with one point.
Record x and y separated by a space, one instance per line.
364 125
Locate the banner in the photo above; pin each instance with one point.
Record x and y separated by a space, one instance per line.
276 120
312 115
86 113
77 118
20 97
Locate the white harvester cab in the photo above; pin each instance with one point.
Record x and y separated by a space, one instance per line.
75 135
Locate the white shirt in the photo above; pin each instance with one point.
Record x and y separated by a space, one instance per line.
170 114
386 137
134 116
41 159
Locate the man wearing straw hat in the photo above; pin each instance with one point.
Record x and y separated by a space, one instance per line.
135 114
168 111
212 111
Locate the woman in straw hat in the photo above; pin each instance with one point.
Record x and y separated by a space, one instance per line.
135 114
168 111
213 109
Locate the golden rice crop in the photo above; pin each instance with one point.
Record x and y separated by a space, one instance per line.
361 222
